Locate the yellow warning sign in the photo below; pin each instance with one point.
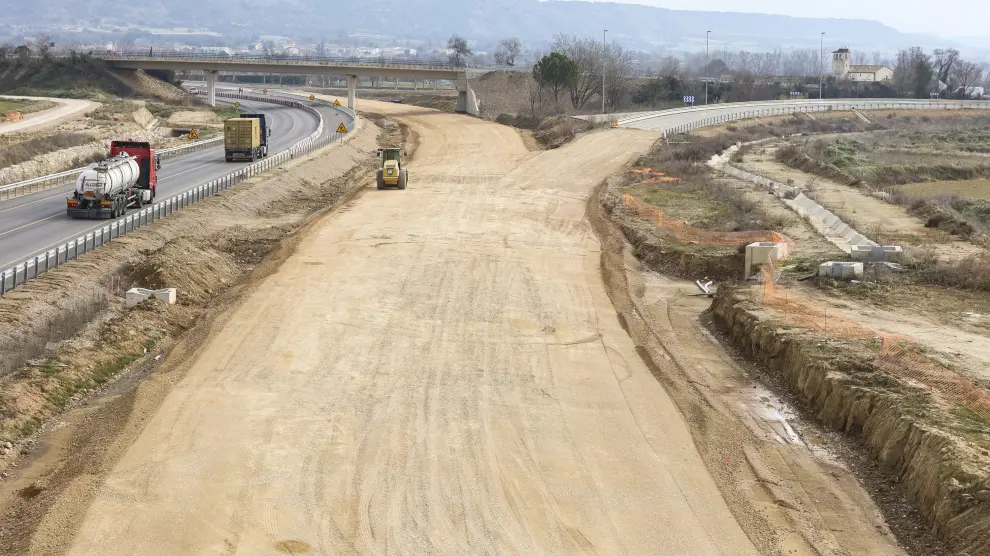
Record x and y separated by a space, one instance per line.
312 97
336 102
265 91
237 105
341 128
193 134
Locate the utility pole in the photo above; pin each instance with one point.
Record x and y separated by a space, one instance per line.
604 61
821 68
708 64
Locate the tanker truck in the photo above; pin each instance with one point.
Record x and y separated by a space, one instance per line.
106 189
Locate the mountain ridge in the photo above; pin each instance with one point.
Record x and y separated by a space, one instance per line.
633 25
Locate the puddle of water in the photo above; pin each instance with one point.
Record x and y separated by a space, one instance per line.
781 419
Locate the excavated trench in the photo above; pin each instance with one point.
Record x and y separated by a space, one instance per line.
943 476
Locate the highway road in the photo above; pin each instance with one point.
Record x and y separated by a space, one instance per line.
32 224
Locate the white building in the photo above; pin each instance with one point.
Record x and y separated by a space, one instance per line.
842 68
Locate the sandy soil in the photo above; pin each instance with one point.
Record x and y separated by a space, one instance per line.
201 117
436 370
67 109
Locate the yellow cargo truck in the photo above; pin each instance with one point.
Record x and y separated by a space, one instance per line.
242 139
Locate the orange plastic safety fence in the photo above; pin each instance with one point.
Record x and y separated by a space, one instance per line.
798 311
894 359
691 234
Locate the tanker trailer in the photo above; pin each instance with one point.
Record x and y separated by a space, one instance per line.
106 189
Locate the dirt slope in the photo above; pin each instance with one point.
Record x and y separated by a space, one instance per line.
434 371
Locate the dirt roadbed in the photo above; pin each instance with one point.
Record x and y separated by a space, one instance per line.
475 365
433 370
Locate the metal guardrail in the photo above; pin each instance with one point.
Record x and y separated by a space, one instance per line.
353 61
36 266
765 109
33 185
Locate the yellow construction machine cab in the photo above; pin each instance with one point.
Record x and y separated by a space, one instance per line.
391 174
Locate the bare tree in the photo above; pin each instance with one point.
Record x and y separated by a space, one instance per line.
43 45
588 55
800 63
618 65
458 49
943 59
966 75
669 66
859 58
878 58
508 51
914 72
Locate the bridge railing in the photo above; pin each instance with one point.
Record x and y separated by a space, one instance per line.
352 61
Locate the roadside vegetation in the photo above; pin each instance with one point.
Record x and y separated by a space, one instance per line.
935 167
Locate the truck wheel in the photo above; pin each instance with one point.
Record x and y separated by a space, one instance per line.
138 200
381 181
121 207
402 179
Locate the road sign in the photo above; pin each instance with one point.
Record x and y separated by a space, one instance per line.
312 97
689 100
336 102
237 105
341 128
193 134
265 91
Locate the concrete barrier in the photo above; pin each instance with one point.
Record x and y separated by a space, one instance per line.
842 270
761 253
135 296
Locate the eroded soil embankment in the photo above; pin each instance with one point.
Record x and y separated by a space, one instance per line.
837 380
690 261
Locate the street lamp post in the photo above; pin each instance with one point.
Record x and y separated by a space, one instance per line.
604 61
708 64
821 68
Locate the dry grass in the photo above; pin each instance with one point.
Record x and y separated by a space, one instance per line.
70 321
15 153
971 273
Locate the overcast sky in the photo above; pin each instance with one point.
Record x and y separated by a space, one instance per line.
911 16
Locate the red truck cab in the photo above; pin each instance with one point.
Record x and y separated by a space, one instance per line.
146 158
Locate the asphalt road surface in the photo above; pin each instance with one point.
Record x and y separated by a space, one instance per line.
32 224
433 371
669 119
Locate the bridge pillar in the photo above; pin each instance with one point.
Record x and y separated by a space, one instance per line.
211 87
352 92
467 102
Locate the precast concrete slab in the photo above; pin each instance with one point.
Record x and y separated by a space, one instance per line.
763 252
841 270
877 253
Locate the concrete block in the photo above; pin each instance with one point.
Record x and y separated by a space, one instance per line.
135 296
841 270
167 295
870 252
762 252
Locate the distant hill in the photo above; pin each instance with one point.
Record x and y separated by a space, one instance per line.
531 20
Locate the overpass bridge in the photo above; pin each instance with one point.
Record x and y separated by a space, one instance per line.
350 68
